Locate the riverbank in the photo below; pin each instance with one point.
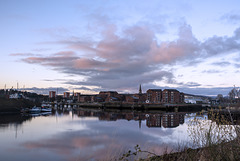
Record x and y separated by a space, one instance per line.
223 151
14 105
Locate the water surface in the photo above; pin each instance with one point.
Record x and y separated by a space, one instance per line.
89 134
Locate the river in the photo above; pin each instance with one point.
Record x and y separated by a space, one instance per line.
90 134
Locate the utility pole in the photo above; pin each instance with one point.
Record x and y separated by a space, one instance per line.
5 89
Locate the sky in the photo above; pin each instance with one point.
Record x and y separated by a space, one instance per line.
90 46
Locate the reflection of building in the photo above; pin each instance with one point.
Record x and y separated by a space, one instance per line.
129 116
170 120
154 120
225 117
181 118
166 120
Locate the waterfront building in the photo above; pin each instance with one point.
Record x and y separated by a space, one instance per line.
154 96
137 97
66 95
84 98
172 96
15 96
109 96
52 94
131 98
196 99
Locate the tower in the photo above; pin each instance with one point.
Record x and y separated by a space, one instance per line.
140 89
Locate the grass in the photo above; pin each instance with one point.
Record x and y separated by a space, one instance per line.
212 139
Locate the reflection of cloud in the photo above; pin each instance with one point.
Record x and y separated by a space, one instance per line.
51 145
103 138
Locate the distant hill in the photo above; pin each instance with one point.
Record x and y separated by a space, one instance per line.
14 105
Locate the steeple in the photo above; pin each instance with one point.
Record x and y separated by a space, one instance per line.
140 89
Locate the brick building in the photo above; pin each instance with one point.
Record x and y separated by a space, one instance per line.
52 94
66 95
154 96
109 96
130 98
84 98
172 96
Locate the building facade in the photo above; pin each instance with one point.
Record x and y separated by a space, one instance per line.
66 95
154 96
172 96
52 94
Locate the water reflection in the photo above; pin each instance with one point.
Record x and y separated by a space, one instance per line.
156 119
225 117
89 134
12 119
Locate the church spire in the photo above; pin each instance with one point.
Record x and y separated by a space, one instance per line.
140 89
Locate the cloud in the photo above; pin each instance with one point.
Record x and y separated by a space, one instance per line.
41 49
192 84
237 65
222 45
46 90
21 54
211 91
106 138
223 63
231 17
211 71
123 59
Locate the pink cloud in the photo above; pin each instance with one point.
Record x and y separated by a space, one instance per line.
21 54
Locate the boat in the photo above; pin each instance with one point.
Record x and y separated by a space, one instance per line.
46 113
46 108
34 109
43 109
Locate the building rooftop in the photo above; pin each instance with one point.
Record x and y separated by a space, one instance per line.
155 89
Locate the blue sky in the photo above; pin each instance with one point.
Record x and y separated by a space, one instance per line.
88 46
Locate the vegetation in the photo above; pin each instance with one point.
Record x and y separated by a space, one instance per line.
214 138
14 105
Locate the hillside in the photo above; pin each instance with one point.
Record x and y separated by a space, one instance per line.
14 105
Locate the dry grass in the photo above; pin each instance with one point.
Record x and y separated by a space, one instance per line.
213 140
